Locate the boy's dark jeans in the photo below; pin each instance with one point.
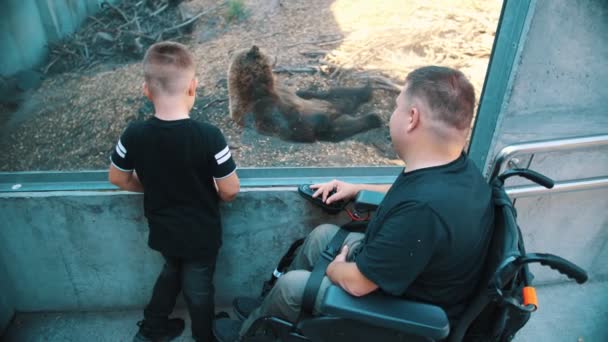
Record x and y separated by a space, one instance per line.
195 279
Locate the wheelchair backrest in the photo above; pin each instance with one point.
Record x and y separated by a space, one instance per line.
482 318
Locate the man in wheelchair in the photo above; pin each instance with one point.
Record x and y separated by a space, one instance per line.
429 237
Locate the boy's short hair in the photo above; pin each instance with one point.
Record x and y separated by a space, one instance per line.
448 93
168 68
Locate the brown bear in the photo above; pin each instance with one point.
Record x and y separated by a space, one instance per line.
304 116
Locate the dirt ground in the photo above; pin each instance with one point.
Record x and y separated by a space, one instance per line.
74 119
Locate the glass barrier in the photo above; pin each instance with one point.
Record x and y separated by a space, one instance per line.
67 111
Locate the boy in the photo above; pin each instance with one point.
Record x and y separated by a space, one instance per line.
183 167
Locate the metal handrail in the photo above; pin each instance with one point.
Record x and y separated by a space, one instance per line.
545 146
510 151
566 186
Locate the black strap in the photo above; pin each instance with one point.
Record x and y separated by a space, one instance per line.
318 271
356 226
285 261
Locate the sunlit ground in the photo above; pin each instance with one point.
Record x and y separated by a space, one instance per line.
395 36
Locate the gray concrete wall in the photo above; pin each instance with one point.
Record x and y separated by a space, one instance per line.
559 89
27 26
559 83
88 251
571 225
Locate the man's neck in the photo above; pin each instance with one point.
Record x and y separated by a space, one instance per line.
425 158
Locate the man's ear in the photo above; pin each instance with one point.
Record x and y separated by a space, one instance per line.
192 87
413 119
146 91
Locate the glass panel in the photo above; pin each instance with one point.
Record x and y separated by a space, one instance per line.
66 111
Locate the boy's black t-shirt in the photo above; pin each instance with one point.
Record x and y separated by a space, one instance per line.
429 237
177 161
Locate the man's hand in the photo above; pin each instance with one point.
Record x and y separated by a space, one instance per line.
344 191
343 254
347 275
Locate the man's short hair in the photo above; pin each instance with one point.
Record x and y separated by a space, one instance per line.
448 93
168 68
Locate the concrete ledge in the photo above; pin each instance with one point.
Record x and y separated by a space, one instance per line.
88 251
42 181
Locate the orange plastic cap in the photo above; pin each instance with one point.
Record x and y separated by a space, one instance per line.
530 296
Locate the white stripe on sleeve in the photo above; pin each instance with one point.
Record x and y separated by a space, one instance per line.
121 147
221 153
224 158
120 153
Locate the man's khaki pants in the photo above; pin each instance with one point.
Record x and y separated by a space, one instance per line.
285 298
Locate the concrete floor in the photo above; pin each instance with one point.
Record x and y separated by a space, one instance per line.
567 313
115 326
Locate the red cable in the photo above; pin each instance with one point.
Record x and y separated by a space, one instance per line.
357 218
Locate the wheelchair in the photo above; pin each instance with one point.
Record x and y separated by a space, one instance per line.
503 303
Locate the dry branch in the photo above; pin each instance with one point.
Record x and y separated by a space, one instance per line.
122 14
191 20
120 32
381 82
314 54
98 21
318 42
311 69
329 42
211 103
160 10
48 66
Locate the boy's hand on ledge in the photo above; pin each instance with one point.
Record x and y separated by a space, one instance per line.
126 180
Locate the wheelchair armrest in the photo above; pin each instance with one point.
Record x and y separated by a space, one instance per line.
388 312
368 200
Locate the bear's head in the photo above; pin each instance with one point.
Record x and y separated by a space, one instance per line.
252 71
249 80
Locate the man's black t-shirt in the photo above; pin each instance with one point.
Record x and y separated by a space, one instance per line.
429 237
177 161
